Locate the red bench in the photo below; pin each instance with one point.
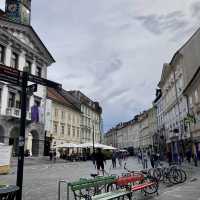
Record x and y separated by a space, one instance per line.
138 182
142 186
123 181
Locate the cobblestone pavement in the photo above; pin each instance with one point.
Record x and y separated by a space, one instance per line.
41 179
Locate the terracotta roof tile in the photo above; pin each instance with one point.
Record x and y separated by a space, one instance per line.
55 96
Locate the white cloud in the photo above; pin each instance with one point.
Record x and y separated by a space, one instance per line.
113 50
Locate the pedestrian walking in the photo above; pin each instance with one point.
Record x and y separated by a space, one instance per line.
155 160
114 157
100 160
54 156
152 160
139 155
145 160
119 157
189 155
169 157
158 159
50 155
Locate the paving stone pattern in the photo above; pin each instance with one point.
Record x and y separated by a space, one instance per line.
41 179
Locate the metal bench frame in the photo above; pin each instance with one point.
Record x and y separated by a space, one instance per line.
79 189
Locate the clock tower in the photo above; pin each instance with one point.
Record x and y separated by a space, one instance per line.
19 11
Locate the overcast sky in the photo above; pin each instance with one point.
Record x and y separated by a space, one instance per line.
113 50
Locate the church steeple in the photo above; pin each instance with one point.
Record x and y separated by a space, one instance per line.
19 11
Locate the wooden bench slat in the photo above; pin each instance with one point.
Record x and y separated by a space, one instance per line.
110 195
142 186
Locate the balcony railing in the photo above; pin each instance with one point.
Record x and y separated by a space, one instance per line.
16 113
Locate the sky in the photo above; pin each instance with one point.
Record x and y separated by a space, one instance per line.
113 50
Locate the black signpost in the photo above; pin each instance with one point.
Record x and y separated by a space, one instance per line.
21 78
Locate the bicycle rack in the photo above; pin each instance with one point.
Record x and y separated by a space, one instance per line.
59 186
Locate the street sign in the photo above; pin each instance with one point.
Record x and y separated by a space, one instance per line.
44 82
21 78
31 89
9 75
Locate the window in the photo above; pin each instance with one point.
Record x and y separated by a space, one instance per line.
11 100
28 66
56 112
73 119
62 129
73 130
196 96
2 54
0 95
82 119
78 130
38 71
190 101
14 60
69 129
55 127
18 104
63 115
69 117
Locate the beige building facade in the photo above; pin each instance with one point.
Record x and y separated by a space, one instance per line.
91 119
63 119
136 133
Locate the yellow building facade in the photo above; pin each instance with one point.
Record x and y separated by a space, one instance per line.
62 120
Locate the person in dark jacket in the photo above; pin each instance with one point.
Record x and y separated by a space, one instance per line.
152 160
114 157
100 160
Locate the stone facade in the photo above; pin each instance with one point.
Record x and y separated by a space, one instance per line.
136 133
21 48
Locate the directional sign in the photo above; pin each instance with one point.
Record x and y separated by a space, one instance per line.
31 89
44 82
21 78
14 77
9 75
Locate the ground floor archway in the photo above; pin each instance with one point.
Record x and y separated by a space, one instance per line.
14 139
33 143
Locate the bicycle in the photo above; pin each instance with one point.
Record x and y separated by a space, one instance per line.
147 178
172 174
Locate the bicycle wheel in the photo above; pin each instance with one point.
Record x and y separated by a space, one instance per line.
183 175
150 172
152 189
175 176
157 174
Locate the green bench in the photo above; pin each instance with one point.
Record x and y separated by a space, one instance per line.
97 189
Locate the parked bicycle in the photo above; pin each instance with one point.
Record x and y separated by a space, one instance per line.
173 174
147 178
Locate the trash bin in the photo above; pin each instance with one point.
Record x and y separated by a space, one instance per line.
8 192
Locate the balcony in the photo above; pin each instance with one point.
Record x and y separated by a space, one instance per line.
13 112
16 113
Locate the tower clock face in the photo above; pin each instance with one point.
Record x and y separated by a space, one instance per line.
12 7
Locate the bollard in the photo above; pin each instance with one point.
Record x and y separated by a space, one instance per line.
59 186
